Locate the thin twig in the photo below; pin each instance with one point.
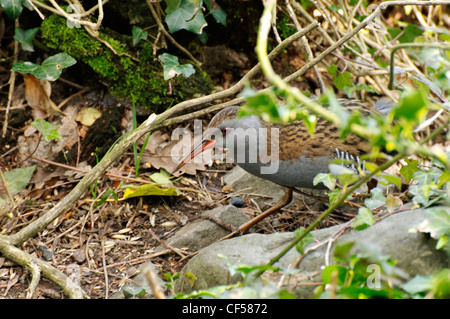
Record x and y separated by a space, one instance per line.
162 242
167 34
12 81
105 270
153 283
410 45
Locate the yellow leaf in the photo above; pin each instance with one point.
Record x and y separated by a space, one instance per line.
88 116
149 190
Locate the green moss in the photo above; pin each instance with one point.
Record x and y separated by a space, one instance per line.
141 81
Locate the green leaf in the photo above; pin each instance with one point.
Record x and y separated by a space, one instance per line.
409 170
48 130
308 239
172 5
149 190
363 220
161 178
49 70
350 90
133 291
376 199
52 67
186 15
340 80
18 178
138 35
438 222
334 271
342 250
13 8
412 106
439 283
264 104
106 196
334 7
418 284
392 179
191 278
443 179
334 195
426 185
394 32
327 179
410 34
217 12
25 38
172 67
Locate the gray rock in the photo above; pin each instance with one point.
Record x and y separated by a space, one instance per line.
415 253
203 232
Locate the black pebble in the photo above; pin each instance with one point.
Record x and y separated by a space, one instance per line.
237 201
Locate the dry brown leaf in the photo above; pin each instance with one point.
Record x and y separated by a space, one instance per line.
37 94
164 152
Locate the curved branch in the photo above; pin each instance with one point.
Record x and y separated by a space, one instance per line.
35 265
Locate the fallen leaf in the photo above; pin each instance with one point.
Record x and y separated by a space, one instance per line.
87 116
162 151
149 190
161 178
37 94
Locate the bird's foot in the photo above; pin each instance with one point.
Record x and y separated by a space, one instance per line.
244 228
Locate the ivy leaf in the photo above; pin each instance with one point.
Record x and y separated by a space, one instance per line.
392 179
411 32
426 183
49 70
13 8
418 284
308 239
264 104
18 178
408 171
186 15
342 250
340 80
327 179
173 68
138 35
412 106
48 130
217 12
334 274
392 203
364 219
161 178
25 38
377 199
438 222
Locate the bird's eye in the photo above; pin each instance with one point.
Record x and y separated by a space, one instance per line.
225 130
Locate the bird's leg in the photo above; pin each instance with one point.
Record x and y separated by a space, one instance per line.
284 200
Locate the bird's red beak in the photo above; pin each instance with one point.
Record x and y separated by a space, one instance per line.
198 149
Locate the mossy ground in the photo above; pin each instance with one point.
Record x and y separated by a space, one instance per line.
141 82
